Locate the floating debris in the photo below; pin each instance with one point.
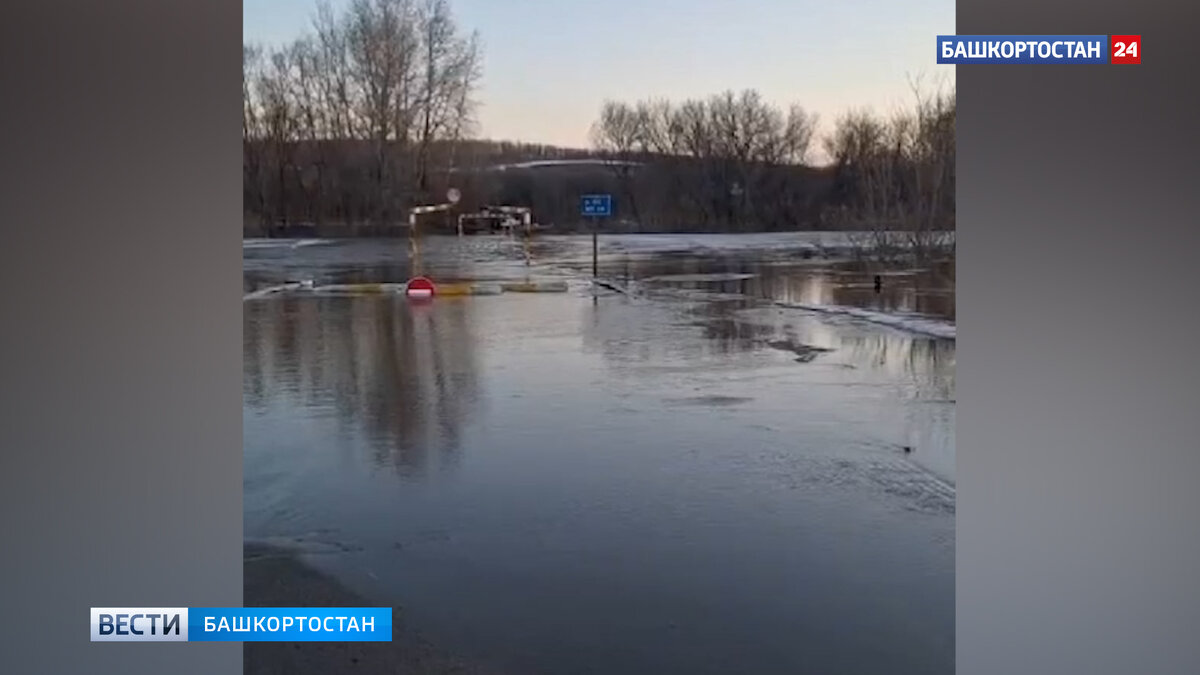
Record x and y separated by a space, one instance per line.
612 286
804 353
711 400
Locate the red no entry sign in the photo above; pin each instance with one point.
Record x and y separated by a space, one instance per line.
419 287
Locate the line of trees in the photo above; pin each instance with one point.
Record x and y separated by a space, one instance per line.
895 177
360 117
731 161
373 110
735 162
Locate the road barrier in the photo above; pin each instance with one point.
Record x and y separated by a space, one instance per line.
461 289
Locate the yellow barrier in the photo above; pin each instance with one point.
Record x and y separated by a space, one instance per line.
359 289
455 289
535 287
363 288
460 289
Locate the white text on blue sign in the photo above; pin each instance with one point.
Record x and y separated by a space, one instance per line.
966 49
238 624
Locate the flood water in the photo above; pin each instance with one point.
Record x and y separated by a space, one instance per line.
692 477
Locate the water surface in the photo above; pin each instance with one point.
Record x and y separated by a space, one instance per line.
689 478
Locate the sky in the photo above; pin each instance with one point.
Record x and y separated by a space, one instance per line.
548 65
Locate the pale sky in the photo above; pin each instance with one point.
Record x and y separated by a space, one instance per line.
549 64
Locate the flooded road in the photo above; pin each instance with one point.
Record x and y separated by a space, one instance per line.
697 475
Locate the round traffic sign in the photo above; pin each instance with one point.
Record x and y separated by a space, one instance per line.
419 287
453 195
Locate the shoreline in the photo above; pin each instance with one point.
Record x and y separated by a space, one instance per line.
276 577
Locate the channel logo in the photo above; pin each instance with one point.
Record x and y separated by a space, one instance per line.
139 624
241 624
1025 49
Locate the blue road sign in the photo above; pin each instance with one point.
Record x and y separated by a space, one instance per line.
596 206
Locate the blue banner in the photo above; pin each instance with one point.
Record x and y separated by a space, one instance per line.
965 49
289 624
596 206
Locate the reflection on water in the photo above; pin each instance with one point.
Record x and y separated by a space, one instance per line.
403 377
776 273
926 291
690 480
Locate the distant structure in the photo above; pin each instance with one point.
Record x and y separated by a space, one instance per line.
549 163
496 220
414 238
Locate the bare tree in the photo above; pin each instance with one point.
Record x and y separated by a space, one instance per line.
728 161
279 127
382 44
620 136
896 176
437 37
374 110
461 96
252 132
